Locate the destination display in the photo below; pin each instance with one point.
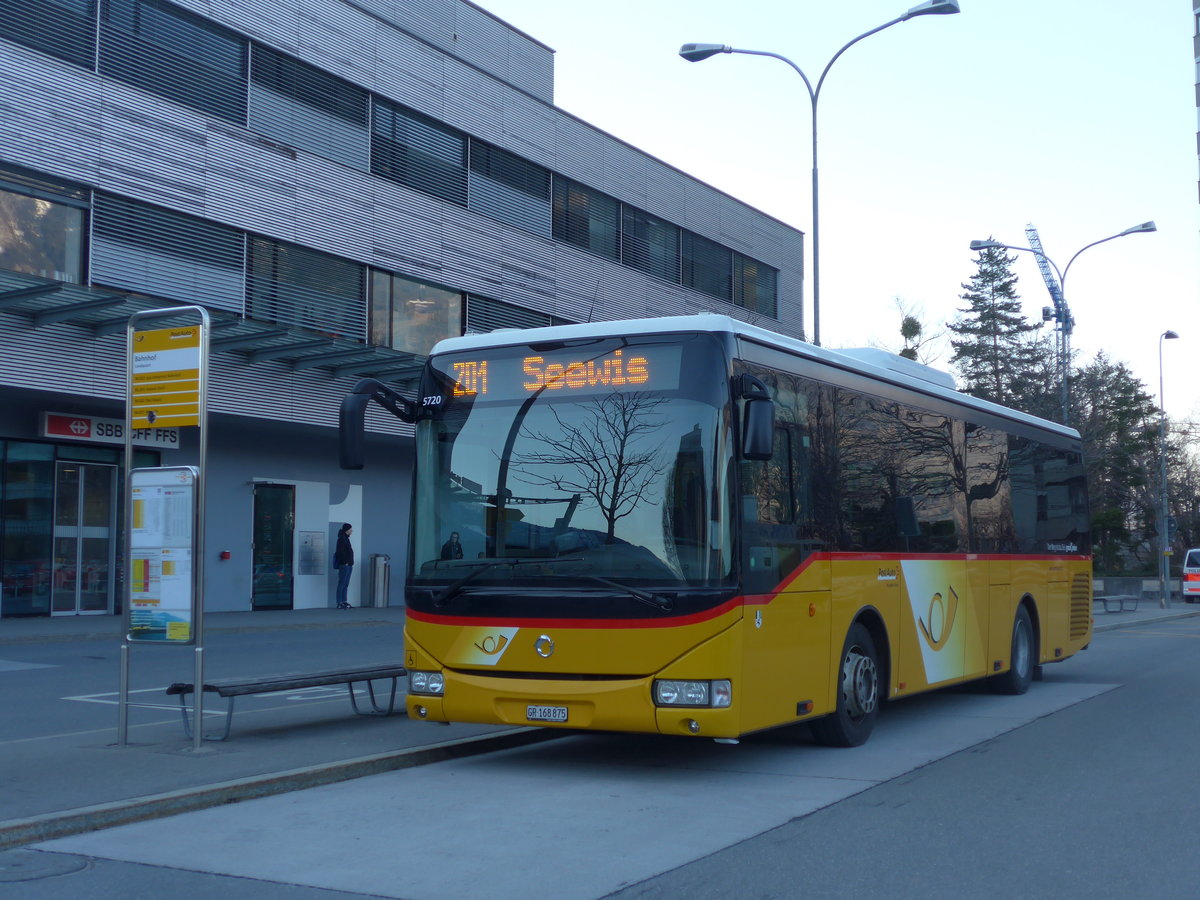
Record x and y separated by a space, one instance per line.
512 374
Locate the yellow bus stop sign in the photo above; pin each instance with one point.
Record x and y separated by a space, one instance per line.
165 389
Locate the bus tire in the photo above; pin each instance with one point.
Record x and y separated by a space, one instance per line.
1020 671
852 722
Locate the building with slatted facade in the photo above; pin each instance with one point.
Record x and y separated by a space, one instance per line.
340 183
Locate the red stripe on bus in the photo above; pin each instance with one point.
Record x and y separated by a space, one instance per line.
734 602
502 621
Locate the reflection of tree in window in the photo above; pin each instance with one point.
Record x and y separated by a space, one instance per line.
934 477
685 510
895 459
607 457
869 459
768 485
989 498
39 237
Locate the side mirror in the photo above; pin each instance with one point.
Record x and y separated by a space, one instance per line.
758 431
353 412
351 419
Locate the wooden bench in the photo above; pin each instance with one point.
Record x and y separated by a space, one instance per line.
231 688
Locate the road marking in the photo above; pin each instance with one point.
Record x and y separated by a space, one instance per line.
301 695
1139 631
97 698
12 665
174 720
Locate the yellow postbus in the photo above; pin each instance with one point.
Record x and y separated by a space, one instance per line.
693 526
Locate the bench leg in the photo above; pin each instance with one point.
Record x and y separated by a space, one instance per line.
376 709
187 723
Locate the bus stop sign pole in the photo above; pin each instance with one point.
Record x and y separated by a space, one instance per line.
163 585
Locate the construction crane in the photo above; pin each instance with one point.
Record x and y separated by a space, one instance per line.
1059 313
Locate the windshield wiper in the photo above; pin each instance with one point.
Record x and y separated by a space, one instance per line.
665 604
455 587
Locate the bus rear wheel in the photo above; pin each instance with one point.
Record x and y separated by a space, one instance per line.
1021 658
858 694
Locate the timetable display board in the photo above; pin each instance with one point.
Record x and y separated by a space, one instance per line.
165 377
162 555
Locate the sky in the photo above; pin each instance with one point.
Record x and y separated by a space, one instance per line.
1078 116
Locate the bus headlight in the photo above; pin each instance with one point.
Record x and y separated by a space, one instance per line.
716 694
426 683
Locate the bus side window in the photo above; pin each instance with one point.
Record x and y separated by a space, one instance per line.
769 506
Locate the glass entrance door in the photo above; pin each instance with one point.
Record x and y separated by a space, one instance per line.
274 526
85 528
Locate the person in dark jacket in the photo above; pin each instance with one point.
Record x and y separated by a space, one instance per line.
452 549
343 561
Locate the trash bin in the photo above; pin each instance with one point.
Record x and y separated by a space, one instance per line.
381 578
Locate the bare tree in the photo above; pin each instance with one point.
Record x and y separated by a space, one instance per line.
921 343
608 457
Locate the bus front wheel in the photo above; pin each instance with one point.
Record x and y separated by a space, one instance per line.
1021 659
858 693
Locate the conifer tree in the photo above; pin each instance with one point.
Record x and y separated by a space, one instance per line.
1118 420
991 336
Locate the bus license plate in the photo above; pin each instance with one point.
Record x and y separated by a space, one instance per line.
546 713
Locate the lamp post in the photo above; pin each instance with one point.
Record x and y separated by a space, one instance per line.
1164 536
698 52
1065 321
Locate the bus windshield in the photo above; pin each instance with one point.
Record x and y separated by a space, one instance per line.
603 464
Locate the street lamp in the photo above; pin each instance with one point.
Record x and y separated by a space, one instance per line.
1065 321
1164 536
698 52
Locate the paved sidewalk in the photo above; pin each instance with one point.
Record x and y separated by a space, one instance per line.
1122 611
88 783
67 778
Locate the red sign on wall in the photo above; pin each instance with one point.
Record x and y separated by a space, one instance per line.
105 431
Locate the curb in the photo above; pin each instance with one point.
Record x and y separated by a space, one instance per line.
1166 616
19 832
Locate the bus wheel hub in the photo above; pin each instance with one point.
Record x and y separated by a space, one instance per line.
860 684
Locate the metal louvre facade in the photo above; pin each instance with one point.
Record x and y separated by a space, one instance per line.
274 161
246 157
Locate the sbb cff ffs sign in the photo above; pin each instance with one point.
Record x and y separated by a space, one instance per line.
97 430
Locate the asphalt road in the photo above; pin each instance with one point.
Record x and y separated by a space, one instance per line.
1101 799
1084 787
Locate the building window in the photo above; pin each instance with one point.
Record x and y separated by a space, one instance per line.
509 188
707 266
411 315
485 315
305 107
40 237
586 218
62 28
27 477
42 225
419 152
175 54
293 285
168 254
754 285
649 244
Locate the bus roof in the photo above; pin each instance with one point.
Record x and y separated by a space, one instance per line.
871 362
